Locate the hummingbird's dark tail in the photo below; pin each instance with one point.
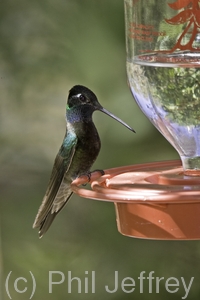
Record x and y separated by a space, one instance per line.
44 224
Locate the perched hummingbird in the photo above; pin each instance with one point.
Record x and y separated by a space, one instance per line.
79 150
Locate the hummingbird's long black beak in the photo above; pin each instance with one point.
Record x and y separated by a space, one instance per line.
105 111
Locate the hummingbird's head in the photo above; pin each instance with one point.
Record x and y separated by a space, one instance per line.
82 102
82 96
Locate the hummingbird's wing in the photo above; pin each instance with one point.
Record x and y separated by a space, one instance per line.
58 191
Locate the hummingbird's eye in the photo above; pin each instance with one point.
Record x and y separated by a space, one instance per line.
82 98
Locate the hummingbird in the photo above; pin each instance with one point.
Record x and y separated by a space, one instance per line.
79 150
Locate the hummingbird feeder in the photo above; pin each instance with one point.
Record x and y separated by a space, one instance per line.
160 200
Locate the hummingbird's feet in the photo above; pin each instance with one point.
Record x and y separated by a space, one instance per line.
95 171
90 174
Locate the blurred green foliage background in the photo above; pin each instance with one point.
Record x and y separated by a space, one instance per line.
46 48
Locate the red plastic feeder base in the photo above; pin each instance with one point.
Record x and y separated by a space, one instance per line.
152 201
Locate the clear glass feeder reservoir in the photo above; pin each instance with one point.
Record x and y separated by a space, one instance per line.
163 67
